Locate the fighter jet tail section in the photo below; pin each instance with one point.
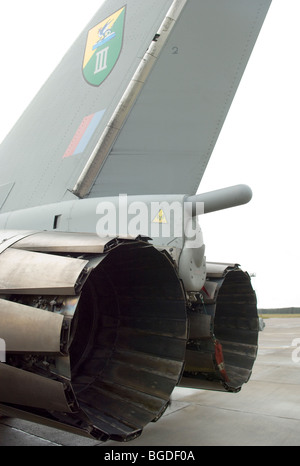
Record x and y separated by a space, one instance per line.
135 106
98 329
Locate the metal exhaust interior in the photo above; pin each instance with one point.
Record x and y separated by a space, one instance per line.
99 333
223 338
118 342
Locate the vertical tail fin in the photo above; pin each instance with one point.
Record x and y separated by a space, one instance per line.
143 91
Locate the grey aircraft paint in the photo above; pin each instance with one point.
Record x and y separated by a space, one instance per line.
98 329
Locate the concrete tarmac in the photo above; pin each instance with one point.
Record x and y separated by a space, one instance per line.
266 412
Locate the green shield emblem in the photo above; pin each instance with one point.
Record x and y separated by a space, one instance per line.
103 48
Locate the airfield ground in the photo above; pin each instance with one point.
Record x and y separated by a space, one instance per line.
266 411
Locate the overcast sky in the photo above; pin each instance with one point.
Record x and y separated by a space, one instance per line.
258 145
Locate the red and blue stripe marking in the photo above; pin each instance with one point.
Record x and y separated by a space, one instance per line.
84 134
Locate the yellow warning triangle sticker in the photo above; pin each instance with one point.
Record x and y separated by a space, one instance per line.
160 217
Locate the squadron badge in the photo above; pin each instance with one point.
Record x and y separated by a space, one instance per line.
103 48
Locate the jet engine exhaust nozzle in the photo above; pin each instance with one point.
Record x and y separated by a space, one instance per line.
101 332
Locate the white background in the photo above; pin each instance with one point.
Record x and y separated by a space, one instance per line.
258 145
